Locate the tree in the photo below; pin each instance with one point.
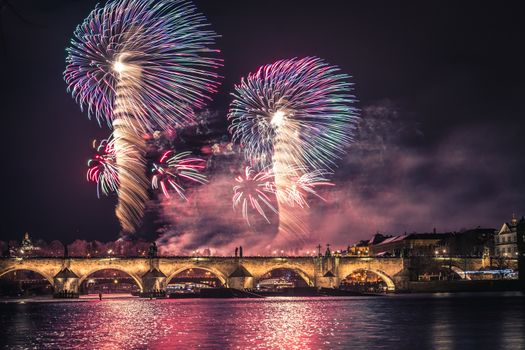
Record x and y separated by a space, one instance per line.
78 248
55 248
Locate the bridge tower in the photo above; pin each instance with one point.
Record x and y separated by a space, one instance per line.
154 280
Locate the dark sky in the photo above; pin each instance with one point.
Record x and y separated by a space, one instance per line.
439 86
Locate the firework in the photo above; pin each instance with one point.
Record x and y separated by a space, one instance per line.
303 103
172 170
102 168
161 46
294 116
299 188
139 66
252 191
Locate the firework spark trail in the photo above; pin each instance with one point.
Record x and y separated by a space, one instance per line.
305 185
170 170
140 66
252 190
130 150
291 221
295 116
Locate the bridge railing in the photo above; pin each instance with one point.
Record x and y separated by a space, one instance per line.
192 256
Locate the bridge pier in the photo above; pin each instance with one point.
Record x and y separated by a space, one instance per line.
402 281
240 278
66 284
327 282
326 272
154 283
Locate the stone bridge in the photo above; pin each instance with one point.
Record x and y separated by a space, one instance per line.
150 274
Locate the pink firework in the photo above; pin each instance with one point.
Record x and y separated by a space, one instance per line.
296 193
252 190
173 170
102 168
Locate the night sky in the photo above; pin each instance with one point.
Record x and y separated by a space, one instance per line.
438 83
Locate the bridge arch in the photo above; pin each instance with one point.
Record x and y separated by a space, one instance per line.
458 271
41 273
391 287
215 272
136 278
308 279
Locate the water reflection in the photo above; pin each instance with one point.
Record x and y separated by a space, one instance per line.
442 323
512 330
393 322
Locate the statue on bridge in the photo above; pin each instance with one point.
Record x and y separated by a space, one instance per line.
328 253
152 252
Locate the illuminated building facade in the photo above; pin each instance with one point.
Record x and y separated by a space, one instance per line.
358 249
506 240
414 244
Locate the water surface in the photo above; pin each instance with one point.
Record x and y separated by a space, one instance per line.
432 321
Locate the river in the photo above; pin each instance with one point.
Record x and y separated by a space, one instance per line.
423 321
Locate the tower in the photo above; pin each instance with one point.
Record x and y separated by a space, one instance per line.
26 246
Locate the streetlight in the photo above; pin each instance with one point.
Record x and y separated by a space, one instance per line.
449 263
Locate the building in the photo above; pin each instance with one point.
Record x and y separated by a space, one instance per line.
506 240
26 246
362 248
520 230
358 249
407 245
474 243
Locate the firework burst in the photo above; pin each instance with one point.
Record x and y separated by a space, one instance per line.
253 190
102 168
295 116
139 66
162 46
173 170
306 184
305 101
